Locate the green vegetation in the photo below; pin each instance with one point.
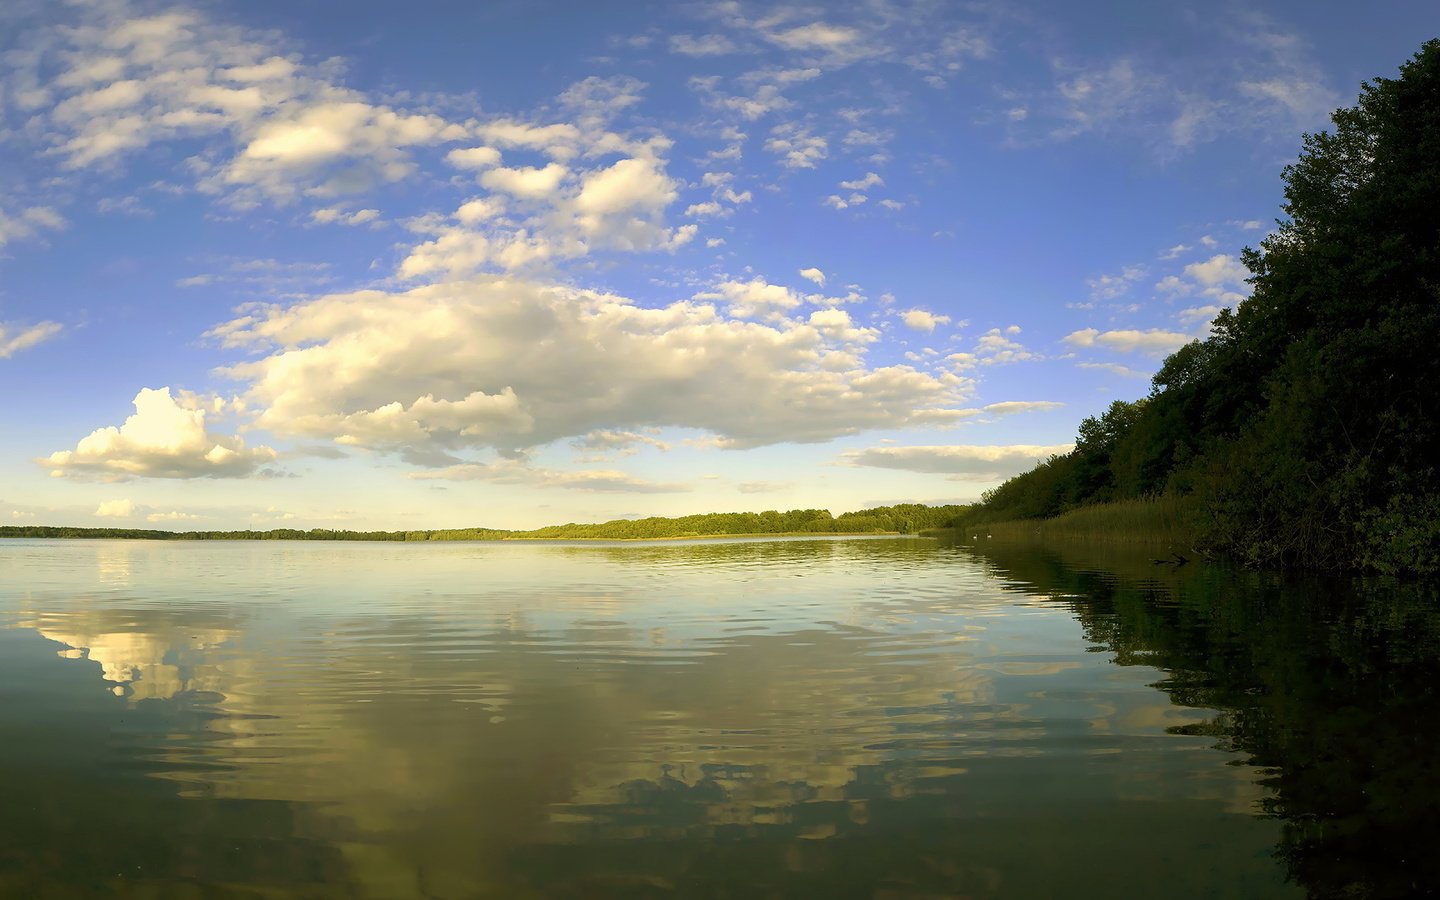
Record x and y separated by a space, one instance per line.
1166 520
1304 431
905 518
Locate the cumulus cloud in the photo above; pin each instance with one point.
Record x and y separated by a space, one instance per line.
15 337
961 462
922 320
753 299
163 439
473 157
439 369
115 509
526 182
813 274
1218 271
1153 340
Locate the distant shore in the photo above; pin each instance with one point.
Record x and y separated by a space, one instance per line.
905 518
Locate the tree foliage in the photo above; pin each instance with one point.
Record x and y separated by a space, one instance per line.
1306 425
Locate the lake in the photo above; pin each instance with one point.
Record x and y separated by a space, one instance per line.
886 718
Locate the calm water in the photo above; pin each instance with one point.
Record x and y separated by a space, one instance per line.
838 718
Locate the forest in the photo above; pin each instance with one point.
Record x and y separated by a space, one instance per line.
905 518
1303 432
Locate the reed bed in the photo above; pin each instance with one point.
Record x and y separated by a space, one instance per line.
1166 521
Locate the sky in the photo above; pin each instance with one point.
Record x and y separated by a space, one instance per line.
507 264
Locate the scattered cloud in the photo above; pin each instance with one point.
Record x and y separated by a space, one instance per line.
1110 287
332 215
506 471
702 45
923 320
1114 369
1218 271
28 222
1011 407
1155 341
796 146
997 347
863 184
16 337
962 462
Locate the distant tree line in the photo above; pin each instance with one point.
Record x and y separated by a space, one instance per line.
905 518
1306 428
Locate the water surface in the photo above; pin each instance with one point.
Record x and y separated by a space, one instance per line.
839 718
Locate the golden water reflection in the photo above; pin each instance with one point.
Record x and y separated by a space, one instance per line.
477 722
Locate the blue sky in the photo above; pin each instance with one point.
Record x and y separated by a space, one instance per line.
508 264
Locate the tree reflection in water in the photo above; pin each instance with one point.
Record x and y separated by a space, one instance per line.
1328 684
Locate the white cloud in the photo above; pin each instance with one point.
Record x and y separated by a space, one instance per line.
962 462
435 370
1011 407
1196 315
796 146
922 320
28 223
1174 284
473 158
162 440
172 516
526 182
999 348
705 210
702 45
268 126
863 184
1219 270
115 509
15 337
813 274
753 299
1152 340
1113 369
1109 287
332 215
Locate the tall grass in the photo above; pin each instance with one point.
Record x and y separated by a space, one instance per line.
1166 521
